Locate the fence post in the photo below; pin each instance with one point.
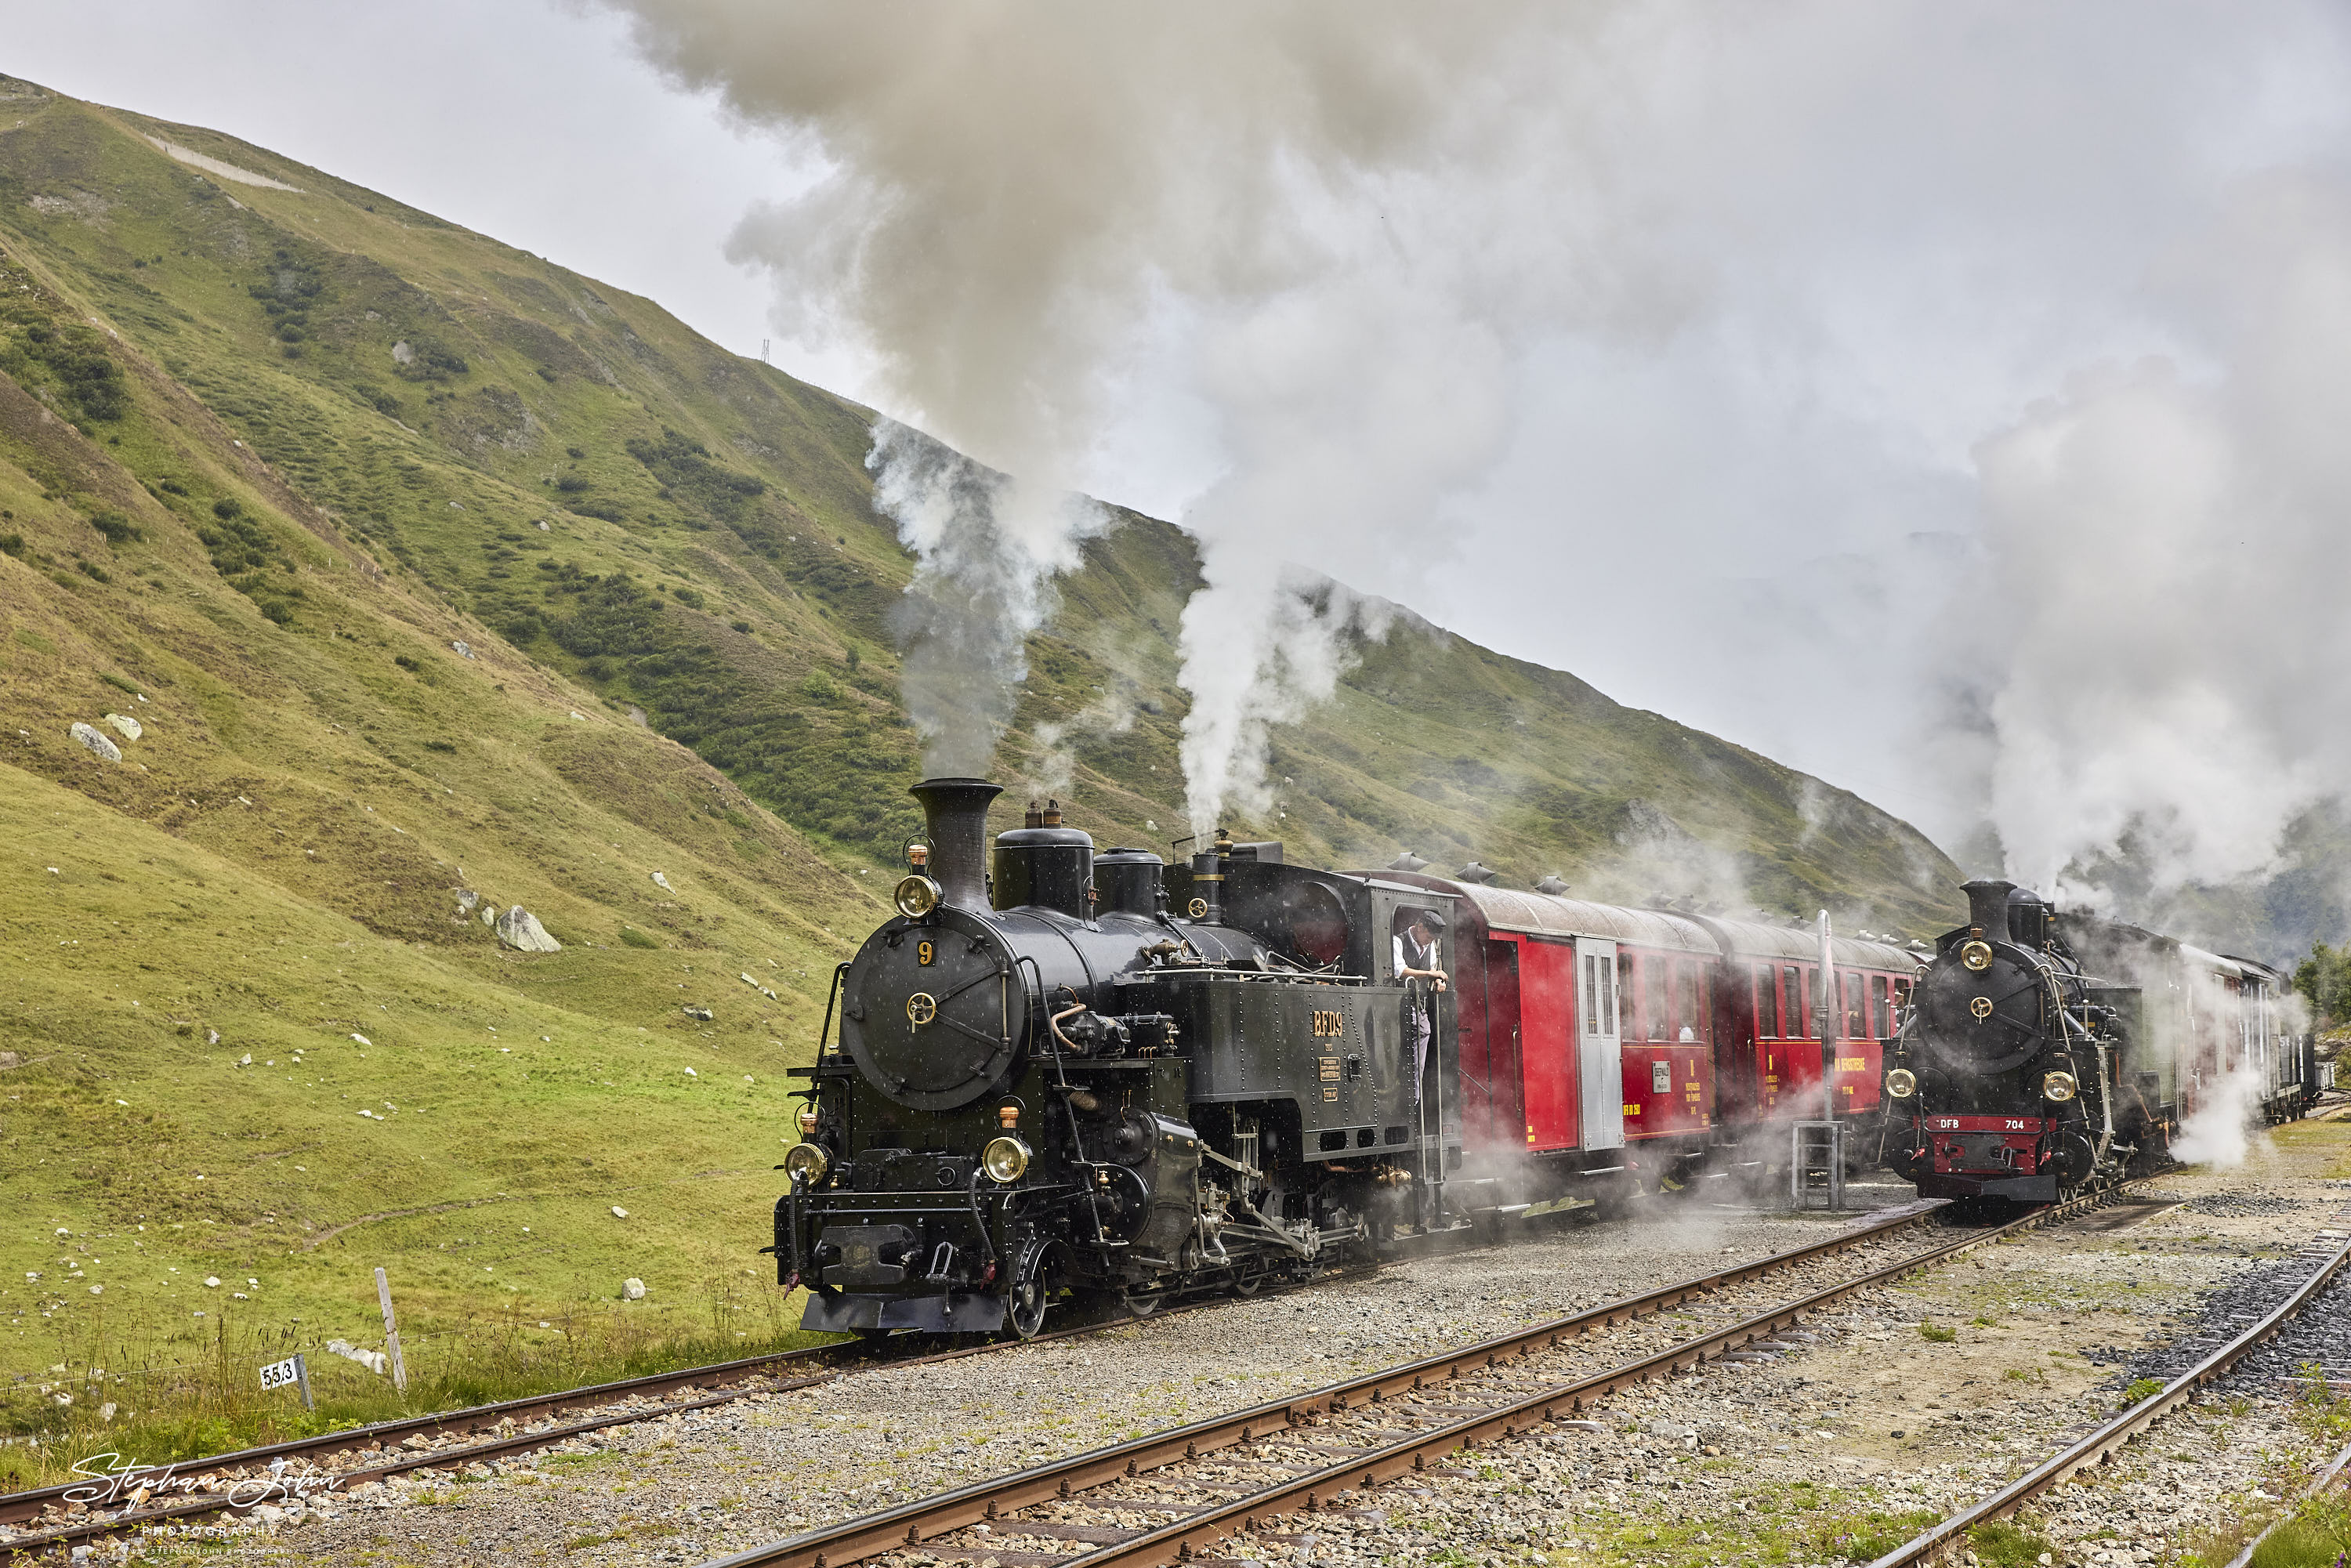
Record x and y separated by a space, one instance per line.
391 1332
302 1374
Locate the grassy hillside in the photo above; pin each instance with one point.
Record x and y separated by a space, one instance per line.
272 448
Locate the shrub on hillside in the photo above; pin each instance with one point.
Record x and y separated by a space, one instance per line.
119 530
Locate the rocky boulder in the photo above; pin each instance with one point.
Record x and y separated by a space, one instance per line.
96 743
519 928
123 725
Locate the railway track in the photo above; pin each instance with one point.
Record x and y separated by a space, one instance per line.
103 1504
77 1513
2107 1440
1173 1495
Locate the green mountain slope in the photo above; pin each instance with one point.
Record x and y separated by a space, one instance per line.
271 447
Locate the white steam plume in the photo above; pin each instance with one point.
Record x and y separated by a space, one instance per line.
2167 546
1342 216
985 553
2221 1129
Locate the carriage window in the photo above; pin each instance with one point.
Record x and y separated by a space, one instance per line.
1608 995
1881 1011
1657 997
1687 1015
1767 1003
1795 979
1856 1020
1591 1002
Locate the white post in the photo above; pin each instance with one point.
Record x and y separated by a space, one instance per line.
391 1332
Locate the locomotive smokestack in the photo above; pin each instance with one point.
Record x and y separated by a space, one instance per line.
1988 907
1208 877
955 812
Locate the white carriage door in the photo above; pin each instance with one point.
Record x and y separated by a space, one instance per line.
1599 1069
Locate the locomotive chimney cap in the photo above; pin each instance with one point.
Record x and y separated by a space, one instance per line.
1987 906
1052 818
957 818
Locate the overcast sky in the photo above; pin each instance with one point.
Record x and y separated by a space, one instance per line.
1781 281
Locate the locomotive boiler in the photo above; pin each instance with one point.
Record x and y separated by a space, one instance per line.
1095 1075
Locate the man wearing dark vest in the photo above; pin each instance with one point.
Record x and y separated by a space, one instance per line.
1417 967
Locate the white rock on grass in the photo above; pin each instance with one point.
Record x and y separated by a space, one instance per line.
663 882
519 928
95 743
373 1360
633 1289
124 725
463 650
467 901
619 1213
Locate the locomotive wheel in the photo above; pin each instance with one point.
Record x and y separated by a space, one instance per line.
1142 1303
1248 1283
1026 1304
1034 1282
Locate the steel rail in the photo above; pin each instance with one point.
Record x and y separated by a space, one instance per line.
2102 1444
19 1505
2326 1479
989 1501
833 1359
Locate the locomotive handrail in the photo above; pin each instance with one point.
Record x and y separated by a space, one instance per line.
832 993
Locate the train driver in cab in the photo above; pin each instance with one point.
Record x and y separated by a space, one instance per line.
1417 967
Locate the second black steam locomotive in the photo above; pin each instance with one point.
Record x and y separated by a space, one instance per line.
2048 1053
1113 1078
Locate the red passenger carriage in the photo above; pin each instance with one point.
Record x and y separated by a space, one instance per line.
1603 1046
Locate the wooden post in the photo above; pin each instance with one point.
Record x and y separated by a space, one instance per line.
302 1372
390 1332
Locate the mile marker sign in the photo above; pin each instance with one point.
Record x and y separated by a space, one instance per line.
292 1370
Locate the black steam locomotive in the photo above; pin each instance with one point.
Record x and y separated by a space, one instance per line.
2046 1053
1111 1078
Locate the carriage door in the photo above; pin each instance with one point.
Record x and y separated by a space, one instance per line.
1600 1073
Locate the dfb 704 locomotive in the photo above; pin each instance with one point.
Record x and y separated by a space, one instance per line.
1069 1087
2045 1053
